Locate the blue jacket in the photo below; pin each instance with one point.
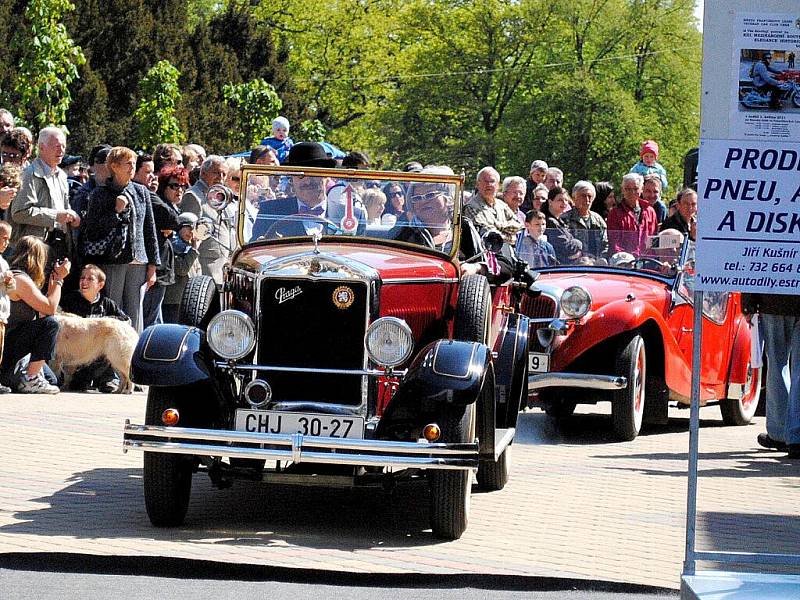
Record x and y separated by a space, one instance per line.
537 253
643 170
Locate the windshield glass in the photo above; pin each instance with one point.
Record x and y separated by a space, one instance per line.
412 208
576 246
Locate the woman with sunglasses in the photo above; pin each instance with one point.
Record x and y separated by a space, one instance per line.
395 203
173 180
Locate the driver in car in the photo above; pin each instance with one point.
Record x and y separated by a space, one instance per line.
283 217
431 205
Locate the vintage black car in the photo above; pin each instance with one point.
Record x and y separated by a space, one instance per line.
340 345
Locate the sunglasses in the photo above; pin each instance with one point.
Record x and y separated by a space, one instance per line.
426 197
396 193
177 186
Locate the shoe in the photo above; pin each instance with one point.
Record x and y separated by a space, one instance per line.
108 387
794 451
22 365
765 441
36 385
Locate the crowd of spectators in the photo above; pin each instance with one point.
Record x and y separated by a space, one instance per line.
119 229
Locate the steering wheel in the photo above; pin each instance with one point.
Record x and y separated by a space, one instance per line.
274 230
648 264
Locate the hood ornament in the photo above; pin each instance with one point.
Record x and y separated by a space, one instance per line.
316 236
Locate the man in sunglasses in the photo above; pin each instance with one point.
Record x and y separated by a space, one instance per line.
431 205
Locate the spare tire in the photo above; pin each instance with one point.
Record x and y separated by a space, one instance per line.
199 303
473 310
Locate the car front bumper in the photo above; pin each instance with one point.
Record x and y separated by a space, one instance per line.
576 380
299 448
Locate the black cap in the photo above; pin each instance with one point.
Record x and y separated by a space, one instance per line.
69 160
99 154
309 154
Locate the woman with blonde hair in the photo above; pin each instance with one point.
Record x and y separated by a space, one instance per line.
119 233
31 328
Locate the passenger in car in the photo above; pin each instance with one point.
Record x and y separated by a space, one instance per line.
310 198
431 225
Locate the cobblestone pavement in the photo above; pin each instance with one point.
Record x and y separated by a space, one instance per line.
578 504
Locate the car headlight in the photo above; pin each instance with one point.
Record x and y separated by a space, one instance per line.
231 334
576 301
389 341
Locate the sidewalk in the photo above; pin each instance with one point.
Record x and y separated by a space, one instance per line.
577 505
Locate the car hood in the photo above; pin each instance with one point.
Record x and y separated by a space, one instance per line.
605 287
343 260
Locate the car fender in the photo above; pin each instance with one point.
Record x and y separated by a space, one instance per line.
512 357
740 353
169 355
445 372
612 319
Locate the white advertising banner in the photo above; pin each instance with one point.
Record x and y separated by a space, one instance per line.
765 50
748 224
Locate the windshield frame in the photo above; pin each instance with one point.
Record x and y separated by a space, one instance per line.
382 176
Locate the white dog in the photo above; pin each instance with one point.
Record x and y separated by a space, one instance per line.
81 341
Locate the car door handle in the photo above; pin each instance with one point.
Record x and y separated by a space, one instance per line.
686 329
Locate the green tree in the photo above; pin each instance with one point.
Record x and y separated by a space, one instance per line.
231 47
155 114
50 61
342 58
88 116
311 130
257 104
10 57
467 62
122 40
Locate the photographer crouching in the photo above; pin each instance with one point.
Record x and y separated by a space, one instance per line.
31 328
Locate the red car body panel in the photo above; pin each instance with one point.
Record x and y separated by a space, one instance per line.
429 280
624 302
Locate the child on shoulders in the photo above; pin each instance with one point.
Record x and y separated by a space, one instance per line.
280 139
648 163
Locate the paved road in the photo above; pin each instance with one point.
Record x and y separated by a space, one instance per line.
18 585
578 505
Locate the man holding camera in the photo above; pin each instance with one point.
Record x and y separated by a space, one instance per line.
215 251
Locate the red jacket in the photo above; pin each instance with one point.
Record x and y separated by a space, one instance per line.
626 233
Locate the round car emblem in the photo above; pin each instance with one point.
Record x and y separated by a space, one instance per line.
343 297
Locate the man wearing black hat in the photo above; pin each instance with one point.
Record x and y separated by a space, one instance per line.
309 199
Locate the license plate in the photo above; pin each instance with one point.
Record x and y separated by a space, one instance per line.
270 421
538 362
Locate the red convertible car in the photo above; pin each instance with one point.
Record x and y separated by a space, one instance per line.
621 330
343 350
